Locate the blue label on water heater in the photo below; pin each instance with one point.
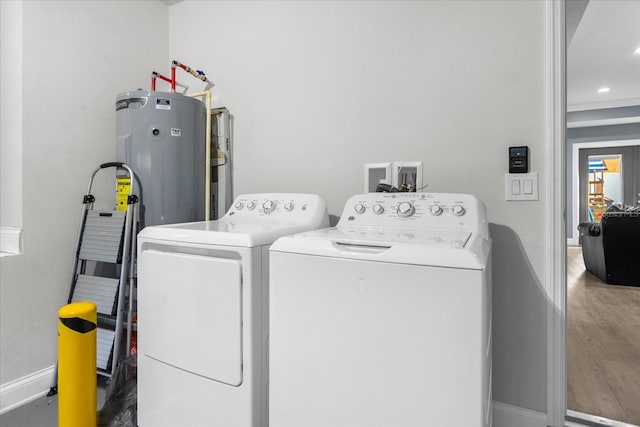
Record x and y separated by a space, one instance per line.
163 104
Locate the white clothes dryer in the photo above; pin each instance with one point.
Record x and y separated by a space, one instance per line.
384 320
203 312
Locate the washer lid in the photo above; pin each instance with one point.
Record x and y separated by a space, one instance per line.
438 248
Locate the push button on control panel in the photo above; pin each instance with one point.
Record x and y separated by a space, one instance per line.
435 210
269 206
457 210
405 209
378 209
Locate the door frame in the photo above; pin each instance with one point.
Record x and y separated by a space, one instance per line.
555 228
555 245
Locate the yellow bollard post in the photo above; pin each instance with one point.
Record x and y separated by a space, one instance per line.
77 375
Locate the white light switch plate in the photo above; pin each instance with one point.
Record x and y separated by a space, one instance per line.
521 186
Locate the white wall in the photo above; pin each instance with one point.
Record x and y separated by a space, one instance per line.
76 57
320 88
317 89
11 114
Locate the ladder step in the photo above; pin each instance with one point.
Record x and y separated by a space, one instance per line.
105 338
102 291
102 236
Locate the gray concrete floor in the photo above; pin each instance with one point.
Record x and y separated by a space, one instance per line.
42 412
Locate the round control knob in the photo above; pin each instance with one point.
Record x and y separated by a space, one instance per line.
406 209
457 210
378 209
251 205
359 208
288 207
435 210
239 205
269 206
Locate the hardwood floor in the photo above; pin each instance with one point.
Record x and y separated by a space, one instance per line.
603 345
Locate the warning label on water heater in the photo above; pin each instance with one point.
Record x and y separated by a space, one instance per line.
163 104
176 132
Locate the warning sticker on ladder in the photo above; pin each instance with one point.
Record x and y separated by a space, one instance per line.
123 192
176 132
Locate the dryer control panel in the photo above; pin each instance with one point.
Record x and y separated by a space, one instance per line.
423 211
253 220
275 207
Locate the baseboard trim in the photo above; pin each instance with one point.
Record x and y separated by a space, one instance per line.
10 241
505 415
26 389
33 386
582 419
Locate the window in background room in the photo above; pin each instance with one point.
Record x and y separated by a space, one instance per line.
604 184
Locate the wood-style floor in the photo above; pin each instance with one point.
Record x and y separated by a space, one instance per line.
603 345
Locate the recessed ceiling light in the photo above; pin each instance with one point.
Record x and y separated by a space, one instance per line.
637 51
603 90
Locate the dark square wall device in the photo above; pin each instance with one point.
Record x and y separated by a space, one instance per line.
519 159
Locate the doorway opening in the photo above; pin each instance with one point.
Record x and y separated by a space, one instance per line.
603 360
578 178
589 350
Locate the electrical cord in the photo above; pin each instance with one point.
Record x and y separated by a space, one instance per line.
387 188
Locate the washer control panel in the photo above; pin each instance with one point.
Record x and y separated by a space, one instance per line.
443 211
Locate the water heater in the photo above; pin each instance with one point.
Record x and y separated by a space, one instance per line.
161 136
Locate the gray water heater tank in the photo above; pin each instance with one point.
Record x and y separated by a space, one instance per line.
161 136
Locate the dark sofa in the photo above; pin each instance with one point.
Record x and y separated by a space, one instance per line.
611 248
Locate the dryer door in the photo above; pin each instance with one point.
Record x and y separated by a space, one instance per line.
191 313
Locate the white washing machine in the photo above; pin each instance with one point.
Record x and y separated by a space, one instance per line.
384 320
203 312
